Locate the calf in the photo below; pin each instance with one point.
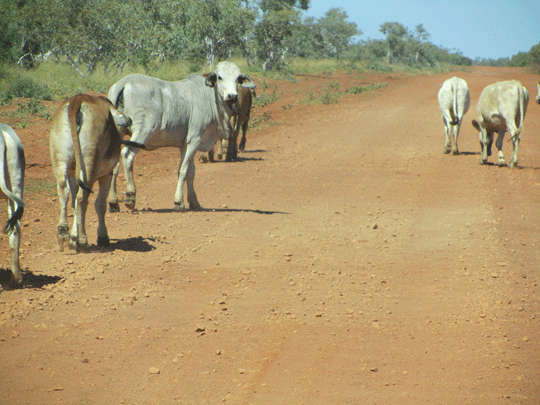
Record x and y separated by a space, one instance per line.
85 147
502 107
454 100
11 188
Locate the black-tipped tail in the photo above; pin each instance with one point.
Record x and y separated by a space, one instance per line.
134 144
84 186
10 224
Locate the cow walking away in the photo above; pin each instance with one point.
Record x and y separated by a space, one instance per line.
241 114
85 147
502 107
191 114
11 188
454 100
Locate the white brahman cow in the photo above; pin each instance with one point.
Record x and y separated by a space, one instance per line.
538 96
191 114
85 147
454 100
11 188
502 107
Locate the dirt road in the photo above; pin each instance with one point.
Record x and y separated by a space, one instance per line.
344 260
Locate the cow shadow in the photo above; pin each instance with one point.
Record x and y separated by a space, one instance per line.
170 210
136 244
30 280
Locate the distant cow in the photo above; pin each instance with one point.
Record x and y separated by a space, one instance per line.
538 96
191 114
241 115
11 188
85 148
502 107
454 100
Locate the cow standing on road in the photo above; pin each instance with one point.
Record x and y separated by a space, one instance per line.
538 96
502 107
454 100
191 114
85 148
11 188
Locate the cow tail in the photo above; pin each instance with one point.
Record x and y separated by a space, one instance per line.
17 215
455 105
521 98
76 118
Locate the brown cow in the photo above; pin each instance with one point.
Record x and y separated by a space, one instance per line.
85 148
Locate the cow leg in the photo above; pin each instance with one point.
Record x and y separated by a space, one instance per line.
486 140
242 145
220 148
232 151
101 208
514 157
78 239
186 173
62 189
455 150
113 196
499 144
14 244
128 155
448 134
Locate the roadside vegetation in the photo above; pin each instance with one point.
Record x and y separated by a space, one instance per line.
53 49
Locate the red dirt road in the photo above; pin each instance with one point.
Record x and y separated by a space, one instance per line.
344 260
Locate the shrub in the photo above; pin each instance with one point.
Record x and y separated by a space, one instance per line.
28 88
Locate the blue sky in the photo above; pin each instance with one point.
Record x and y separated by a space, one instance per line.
478 28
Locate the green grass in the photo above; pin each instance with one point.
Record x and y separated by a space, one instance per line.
42 187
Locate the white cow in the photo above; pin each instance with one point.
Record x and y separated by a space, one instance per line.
538 96
454 100
502 107
191 114
11 188
85 148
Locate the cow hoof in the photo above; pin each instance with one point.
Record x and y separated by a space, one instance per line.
129 202
455 152
446 151
103 241
203 158
501 163
220 156
15 283
483 162
179 207
114 207
195 207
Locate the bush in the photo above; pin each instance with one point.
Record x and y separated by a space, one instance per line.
28 88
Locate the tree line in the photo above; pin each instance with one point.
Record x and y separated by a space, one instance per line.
110 33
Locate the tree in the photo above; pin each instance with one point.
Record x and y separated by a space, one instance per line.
395 39
277 23
335 32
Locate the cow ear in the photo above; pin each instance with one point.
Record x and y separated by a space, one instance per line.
210 80
476 125
246 81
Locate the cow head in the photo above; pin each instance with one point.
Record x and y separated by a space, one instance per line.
225 78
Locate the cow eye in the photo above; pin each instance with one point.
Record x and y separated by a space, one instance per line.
220 78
